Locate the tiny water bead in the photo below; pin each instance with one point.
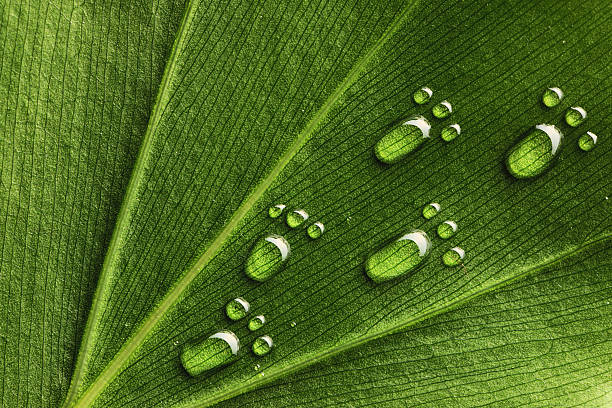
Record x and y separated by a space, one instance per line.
533 155
447 229
296 218
316 230
256 367
276 211
430 210
400 141
552 97
292 324
262 345
256 323
453 256
587 141
450 132
423 95
575 116
237 308
442 110
267 257
398 258
217 350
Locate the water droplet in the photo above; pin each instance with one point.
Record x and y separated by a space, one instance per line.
262 345
423 95
430 210
293 324
587 141
575 116
442 110
453 256
296 218
316 230
237 308
276 210
267 257
398 258
402 140
450 132
552 97
262 374
447 229
256 367
217 350
256 323
534 154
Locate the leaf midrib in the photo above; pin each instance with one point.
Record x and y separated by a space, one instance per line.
137 339
428 313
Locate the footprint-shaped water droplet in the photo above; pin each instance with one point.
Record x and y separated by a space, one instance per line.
402 140
267 257
217 350
533 154
399 257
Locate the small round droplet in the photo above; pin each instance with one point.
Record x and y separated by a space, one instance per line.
237 308
450 132
257 322
533 155
296 218
587 141
316 230
442 110
430 210
453 256
399 257
262 345
256 367
276 211
447 229
423 95
293 324
552 97
217 350
575 116
400 141
267 257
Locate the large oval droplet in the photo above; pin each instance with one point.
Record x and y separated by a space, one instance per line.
267 257
533 155
217 350
396 144
398 258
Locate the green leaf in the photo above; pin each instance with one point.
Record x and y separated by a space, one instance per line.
282 102
77 83
542 341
